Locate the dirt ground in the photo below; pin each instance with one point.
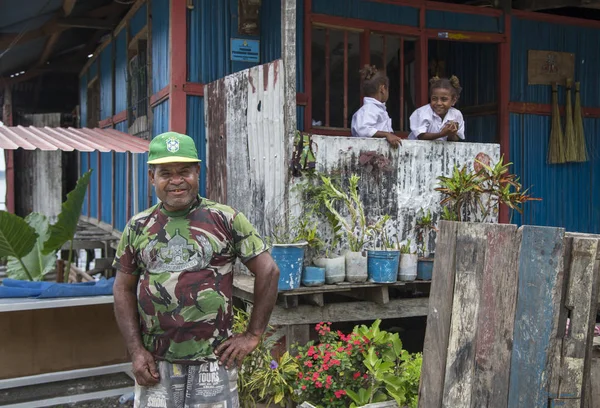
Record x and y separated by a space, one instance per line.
103 403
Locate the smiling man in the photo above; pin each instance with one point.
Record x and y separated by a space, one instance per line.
174 287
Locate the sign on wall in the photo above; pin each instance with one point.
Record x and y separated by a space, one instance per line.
546 67
245 50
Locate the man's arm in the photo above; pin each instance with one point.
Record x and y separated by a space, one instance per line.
266 273
128 320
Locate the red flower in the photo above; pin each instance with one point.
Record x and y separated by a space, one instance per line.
318 384
308 363
365 376
356 375
311 351
336 362
339 393
303 387
327 386
300 375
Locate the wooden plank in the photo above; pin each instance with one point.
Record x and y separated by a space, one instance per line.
314 299
580 300
460 363
350 312
438 319
297 334
289 302
536 317
496 317
216 107
592 349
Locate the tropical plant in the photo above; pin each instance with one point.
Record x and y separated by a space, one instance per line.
357 230
365 366
405 248
30 244
475 195
423 226
264 377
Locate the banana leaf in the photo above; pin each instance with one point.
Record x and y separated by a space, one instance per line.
65 227
36 262
17 238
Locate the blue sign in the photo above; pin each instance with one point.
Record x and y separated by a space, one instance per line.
245 50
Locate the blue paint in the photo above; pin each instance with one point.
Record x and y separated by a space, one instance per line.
161 66
120 180
368 10
160 124
449 20
106 187
481 129
93 156
313 276
425 268
541 250
83 100
300 118
382 266
142 182
573 206
83 161
120 73
197 131
93 69
106 83
538 35
290 260
270 30
138 21
245 50
299 45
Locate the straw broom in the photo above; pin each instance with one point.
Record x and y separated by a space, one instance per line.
570 148
580 147
556 153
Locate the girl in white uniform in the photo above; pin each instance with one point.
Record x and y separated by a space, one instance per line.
439 120
372 119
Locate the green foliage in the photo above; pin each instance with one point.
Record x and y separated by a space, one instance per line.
405 248
263 377
66 226
475 195
423 226
35 264
17 238
368 365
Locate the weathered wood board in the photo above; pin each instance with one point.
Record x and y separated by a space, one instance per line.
536 318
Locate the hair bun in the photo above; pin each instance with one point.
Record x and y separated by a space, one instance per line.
455 82
368 72
433 80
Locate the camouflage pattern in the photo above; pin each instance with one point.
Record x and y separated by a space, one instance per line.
185 264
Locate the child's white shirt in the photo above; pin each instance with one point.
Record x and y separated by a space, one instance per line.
371 118
425 120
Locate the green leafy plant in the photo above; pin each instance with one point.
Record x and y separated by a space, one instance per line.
475 195
30 244
368 365
356 229
264 377
405 248
423 226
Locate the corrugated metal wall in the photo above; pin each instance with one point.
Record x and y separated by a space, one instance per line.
120 216
93 70
367 10
570 192
299 46
270 30
106 187
196 130
120 73
106 84
462 21
93 157
160 125
161 64
138 21
481 129
83 81
536 35
84 166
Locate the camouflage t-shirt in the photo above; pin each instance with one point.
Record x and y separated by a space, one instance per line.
185 263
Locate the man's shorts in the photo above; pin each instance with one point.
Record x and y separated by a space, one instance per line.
207 385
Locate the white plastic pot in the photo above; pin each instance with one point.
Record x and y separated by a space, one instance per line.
335 269
356 266
408 267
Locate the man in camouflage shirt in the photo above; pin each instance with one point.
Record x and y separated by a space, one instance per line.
173 289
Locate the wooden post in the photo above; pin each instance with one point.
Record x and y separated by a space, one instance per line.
9 154
503 101
178 41
288 52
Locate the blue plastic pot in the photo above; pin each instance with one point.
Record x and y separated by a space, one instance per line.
425 268
382 266
290 260
313 276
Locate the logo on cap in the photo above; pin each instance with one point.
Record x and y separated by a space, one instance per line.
172 144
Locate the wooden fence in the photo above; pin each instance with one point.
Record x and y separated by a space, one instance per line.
497 332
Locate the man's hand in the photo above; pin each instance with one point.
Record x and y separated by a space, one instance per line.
233 351
144 368
393 140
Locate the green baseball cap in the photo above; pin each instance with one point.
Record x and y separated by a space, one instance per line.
172 147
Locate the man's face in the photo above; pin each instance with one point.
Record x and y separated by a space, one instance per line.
176 184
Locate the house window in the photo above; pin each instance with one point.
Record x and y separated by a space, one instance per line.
337 56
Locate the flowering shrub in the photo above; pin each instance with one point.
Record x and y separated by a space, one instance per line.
367 365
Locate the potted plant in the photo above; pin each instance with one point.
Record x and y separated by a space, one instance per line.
287 250
365 368
307 231
408 263
383 262
356 229
423 227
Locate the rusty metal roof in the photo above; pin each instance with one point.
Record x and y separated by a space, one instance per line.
69 139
